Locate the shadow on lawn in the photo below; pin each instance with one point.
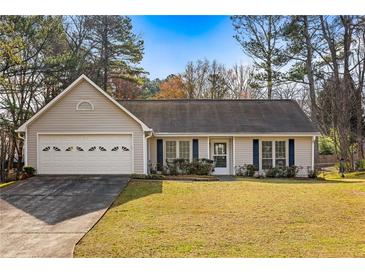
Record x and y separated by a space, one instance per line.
138 189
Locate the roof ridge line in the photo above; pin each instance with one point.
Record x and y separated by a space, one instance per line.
204 100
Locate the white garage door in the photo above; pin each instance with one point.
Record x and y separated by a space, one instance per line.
85 154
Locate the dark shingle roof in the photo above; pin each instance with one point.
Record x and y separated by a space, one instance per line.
220 116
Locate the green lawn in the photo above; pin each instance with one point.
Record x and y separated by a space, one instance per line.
248 218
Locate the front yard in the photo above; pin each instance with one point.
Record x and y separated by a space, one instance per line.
247 218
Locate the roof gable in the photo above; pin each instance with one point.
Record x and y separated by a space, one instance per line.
22 128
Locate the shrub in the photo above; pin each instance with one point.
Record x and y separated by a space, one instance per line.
148 176
201 167
312 173
184 167
152 167
250 170
30 171
240 170
245 170
291 171
273 172
170 168
282 172
326 146
360 165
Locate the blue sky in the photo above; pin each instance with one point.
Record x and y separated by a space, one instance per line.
172 41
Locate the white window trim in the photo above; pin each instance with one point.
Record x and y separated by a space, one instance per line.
85 101
177 148
286 151
274 152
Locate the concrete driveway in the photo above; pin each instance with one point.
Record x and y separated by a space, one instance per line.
45 216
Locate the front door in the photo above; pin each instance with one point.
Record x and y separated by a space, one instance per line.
220 157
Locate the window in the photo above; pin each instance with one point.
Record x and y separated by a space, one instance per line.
280 154
220 154
184 150
85 105
170 150
266 154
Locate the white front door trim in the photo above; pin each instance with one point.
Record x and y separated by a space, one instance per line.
226 170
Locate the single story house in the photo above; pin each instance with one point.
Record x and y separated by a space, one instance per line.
85 131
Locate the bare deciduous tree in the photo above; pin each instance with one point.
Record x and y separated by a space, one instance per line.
238 80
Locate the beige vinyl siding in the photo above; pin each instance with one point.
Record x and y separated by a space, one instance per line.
243 151
303 154
203 147
303 151
106 117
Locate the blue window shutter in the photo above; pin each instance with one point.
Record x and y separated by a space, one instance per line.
195 149
159 154
255 160
291 152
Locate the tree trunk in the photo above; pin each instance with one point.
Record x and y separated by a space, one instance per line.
105 51
269 83
309 69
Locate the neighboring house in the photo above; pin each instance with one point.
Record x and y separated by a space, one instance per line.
85 131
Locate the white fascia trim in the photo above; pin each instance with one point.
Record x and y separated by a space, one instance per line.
22 128
246 134
85 133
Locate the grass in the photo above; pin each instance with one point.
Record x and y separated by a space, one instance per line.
6 184
356 176
247 218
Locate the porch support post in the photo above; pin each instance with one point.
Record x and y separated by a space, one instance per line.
144 140
233 156
208 145
313 140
